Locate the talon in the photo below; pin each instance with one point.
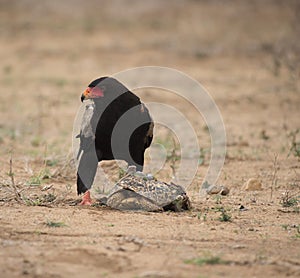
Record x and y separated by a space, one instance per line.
86 199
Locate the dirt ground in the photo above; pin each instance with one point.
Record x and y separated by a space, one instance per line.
245 53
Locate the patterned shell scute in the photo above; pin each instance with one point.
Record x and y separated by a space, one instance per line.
160 192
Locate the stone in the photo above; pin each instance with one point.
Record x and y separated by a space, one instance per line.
253 185
217 189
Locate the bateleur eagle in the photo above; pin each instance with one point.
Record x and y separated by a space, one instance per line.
115 125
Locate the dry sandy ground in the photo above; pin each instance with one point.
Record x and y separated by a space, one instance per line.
246 53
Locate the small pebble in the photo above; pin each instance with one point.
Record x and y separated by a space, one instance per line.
150 177
131 169
253 185
242 208
225 191
216 189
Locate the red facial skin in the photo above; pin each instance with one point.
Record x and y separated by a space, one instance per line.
94 92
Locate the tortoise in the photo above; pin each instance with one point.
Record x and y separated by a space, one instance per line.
141 192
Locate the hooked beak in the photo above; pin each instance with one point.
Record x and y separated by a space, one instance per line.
85 94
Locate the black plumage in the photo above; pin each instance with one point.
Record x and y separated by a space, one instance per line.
115 125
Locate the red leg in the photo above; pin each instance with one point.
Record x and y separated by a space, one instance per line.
86 199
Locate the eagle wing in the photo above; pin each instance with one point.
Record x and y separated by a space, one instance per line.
150 125
87 130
